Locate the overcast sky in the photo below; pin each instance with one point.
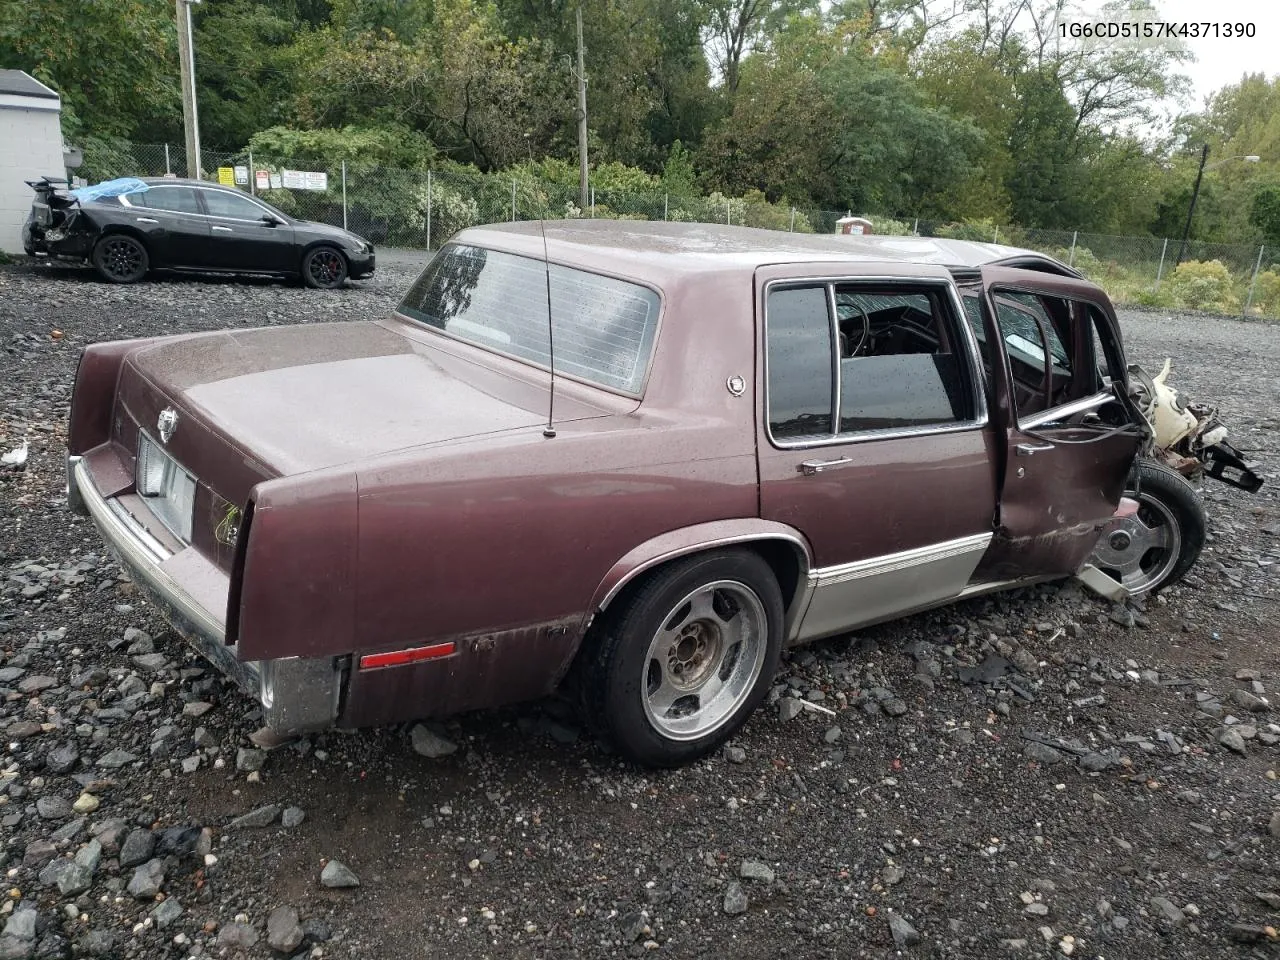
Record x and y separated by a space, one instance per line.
1220 62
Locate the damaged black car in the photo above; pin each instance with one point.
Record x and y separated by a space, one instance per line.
129 227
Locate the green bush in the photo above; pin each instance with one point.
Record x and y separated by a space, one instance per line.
1266 294
1201 285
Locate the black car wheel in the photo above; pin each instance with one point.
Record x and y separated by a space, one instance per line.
676 667
1158 545
324 268
120 259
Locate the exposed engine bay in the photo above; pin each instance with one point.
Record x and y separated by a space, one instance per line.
1188 437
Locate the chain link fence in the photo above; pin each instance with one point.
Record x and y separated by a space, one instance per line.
423 208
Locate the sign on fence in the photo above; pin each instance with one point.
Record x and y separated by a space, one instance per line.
242 176
262 179
305 180
226 176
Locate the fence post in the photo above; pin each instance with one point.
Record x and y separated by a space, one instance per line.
915 228
513 199
167 169
792 228
666 197
1160 269
996 238
1252 283
1071 260
593 203
344 194
428 209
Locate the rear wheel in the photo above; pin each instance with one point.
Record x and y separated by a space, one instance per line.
683 661
1155 547
324 268
120 258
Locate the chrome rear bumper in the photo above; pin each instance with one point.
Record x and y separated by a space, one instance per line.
295 694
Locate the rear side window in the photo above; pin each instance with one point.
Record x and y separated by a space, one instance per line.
603 328
851 358
173 199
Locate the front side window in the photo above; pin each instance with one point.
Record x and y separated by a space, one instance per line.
172 199
848 358
223 203
602 329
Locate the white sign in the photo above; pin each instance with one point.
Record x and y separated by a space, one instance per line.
275 181
261 179
305 180
242 175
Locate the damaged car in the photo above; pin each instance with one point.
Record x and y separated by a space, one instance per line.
129 227
636 459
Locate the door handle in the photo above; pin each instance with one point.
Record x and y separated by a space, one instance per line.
810 467
223 229
1027 449
146 220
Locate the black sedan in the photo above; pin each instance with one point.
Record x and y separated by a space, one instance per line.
129 227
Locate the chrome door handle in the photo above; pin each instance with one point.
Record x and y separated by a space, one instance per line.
1027 449
223 229
810 467
145 220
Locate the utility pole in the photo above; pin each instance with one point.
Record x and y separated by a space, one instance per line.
581 114
186 63
1195 193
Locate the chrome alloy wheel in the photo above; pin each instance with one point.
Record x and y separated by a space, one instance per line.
704 660
1140 550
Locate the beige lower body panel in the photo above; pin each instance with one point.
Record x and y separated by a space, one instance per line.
870 591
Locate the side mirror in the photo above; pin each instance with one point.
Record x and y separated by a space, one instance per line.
271 220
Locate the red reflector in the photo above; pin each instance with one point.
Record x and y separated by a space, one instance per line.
397 658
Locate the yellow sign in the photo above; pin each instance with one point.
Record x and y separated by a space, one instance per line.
227 176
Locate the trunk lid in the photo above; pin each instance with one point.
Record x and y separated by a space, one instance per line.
287 400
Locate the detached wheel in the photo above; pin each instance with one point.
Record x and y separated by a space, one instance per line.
324 268
681 664
1162 541
120 259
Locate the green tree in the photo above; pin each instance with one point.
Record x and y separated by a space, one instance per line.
1264 214
113 62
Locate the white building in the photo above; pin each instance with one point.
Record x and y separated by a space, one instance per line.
30 148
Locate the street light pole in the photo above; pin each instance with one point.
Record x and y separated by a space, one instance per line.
582 118
187 66
1195 193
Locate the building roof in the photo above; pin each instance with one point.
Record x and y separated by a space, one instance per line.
19 84
653 249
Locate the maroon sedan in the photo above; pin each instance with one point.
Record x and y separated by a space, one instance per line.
649 456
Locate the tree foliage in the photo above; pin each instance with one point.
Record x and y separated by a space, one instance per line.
976 110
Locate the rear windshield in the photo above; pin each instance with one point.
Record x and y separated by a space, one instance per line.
603 329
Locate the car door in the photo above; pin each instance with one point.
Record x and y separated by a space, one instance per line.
172 221
874 439
240 237
1068 433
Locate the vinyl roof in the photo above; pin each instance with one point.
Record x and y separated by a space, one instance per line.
639 246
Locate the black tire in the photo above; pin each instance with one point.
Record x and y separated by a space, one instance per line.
1172 519
120 258
324 268
617 670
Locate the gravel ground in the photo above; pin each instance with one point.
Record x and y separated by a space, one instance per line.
1110 794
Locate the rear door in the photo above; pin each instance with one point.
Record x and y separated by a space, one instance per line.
170 217
240 239
873 441
1068 434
